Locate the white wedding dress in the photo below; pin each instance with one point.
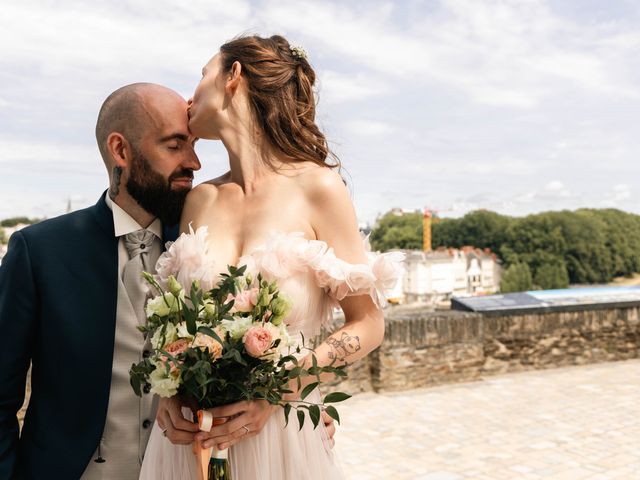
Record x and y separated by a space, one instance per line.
314 279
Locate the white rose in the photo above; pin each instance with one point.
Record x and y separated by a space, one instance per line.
284 336
163 384
236 327
183 332
209 310
170 336
163 305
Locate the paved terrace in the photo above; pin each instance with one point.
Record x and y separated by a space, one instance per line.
568 423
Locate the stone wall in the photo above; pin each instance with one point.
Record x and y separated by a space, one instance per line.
424 348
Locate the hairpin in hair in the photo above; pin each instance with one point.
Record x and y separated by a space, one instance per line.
298 52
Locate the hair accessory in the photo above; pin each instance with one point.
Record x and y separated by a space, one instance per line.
298 52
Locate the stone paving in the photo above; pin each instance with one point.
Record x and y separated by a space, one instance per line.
569 423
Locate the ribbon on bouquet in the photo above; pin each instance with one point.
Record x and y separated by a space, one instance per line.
207 456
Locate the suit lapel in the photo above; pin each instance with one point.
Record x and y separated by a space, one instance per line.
169 234
104 288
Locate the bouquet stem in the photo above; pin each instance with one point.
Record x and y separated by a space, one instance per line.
219 465
213 464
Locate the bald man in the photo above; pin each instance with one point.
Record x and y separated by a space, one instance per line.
71 299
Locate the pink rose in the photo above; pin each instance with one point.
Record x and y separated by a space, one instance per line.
257 340
177 347
246 300
174 349
204 341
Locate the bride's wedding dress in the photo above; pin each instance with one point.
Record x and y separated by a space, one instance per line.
314 279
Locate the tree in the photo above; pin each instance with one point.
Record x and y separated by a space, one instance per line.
481 228
3 237
398 231
559 248
12 222
551 275
516 278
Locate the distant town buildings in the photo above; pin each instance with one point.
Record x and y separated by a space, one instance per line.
436 276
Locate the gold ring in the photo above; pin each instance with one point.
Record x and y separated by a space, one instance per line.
164 432
246 428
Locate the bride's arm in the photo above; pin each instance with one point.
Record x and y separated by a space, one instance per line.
334 222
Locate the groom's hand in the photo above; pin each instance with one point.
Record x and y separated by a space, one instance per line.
330 425
240 420
177 429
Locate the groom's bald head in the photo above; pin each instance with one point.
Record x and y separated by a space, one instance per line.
128 111
121 112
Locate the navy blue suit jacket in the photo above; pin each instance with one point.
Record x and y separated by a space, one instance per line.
58 296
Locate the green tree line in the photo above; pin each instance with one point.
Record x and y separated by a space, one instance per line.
12 222
544 250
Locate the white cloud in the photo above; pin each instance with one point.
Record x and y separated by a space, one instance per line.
508 53
554 189
618 195
336 87
107 39
369 128
14 151
425 100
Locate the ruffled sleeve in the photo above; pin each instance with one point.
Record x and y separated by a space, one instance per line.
283 255
342 279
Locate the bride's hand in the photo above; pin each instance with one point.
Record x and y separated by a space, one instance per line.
253 415
176 428
244 419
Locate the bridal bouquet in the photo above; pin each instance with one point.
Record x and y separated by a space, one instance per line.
223 340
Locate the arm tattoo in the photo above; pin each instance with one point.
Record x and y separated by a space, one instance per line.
344 347
115 183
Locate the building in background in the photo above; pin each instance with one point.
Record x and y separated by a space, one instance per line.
436 276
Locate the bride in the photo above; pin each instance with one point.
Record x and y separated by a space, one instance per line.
283 210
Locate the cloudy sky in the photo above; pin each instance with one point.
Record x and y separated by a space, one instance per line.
512 105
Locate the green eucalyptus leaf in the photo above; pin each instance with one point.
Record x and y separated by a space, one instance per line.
314 413
308 389
300 414
333 413
287 410
336 397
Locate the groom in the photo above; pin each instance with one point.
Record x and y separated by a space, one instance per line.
71 297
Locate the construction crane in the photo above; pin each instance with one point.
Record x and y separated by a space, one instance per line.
430 217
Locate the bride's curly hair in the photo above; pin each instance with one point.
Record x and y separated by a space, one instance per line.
280 86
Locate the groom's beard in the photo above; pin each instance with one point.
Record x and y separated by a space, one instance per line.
154 193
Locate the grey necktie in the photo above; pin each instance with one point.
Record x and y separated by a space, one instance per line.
139 247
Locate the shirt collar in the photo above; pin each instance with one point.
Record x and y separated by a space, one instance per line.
124 224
